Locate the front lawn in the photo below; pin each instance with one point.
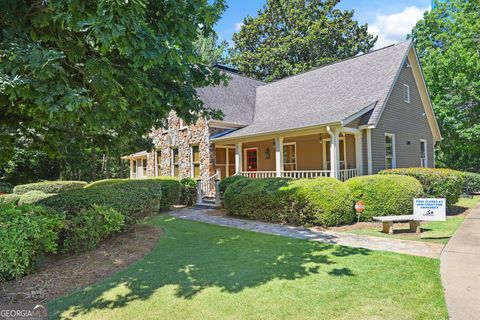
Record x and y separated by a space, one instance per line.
204 271
434 231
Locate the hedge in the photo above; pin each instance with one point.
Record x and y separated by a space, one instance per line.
471 182
26 233
105 182
32 197
189 191
437 183
223 185
385 195
322 201
10 198
49 186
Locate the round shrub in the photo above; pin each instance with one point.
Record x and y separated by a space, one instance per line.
223 185
26 233
32 197
49 186
436 183
471 182
189 191
385 195
10 198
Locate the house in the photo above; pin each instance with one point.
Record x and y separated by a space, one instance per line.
353 117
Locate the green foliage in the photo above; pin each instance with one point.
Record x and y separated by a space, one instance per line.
90 226
210 51
10 198
471 182
322 201
223 185
437 183
5 187
289 37
189 191
446 40
385 195
49 186
26 232
104 182
32 197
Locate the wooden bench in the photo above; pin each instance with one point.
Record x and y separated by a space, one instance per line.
389 220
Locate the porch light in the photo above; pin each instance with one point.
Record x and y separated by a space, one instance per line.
267 154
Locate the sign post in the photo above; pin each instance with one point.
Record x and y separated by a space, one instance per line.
359 207
426 209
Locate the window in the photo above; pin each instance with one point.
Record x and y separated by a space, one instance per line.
158 161
390 151
406 93
144 167
175 163
342 153
195 161
289 157
423 153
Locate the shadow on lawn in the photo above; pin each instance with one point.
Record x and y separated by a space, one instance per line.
193 257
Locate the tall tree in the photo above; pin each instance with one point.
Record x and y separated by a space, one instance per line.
291 36
211 50
99 72
447 40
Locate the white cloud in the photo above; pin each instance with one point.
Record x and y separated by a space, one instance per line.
393 28
238 26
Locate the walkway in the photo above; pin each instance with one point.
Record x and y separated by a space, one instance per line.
460 269
415 248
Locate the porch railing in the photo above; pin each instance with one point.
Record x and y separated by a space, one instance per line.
258 174
306 174
302 174
348 174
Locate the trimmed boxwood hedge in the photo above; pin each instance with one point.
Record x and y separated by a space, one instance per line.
49 186
437 183
471 182
10 198
32 197
385 195
223 185
189 191
105 182
321 201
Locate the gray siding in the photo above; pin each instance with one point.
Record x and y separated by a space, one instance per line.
365 152
409 124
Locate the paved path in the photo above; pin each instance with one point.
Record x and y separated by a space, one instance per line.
416 248
460 269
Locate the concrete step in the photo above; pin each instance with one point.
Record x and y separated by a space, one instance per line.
208 205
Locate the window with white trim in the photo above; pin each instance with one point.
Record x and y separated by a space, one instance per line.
390 162
175 163
158 161
144 166
423 153
406 93
290 156
195 161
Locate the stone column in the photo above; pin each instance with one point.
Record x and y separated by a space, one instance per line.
238 158
278 156
359 152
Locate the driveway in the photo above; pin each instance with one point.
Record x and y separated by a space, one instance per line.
460 269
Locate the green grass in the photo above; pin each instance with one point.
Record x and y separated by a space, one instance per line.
201 271
434 231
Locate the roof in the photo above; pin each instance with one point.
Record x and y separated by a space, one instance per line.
329 94
236 100
140 154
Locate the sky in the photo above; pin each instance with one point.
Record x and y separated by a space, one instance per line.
391 20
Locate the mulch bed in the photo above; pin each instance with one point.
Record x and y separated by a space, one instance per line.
61 274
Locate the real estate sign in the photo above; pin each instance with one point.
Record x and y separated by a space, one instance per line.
426 209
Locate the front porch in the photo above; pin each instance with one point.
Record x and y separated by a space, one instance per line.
329 152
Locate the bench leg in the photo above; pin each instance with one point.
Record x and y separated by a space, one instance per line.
388 227
415 226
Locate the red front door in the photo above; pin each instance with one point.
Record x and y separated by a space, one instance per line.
251 159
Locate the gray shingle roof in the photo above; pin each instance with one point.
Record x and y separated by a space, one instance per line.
327 94
236 101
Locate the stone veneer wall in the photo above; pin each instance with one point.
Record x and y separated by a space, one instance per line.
183 139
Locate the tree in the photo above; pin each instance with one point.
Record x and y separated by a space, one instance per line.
210 50
97 73
291 36
447 41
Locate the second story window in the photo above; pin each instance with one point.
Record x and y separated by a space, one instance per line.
406 93
175 163
195 162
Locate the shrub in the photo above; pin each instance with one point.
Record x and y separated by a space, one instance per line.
104 182
385 195
32 197
49 186
471 182
437 183
189 191
134 198
91 225
223 185
322 201
10 198
5 188
25 234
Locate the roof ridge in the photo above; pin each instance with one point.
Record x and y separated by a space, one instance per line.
336 62
237 73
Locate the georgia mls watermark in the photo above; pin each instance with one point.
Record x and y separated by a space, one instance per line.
23 311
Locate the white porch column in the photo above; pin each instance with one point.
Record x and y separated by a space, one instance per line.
131 169
359 152
278 156
238 158
369 151
334 152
